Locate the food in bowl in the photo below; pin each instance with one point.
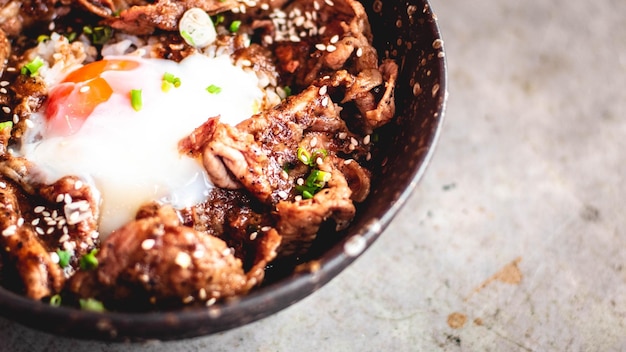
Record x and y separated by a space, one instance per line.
157 155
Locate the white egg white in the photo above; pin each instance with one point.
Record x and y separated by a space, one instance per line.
132 156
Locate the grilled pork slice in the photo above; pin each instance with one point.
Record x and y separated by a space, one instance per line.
156 260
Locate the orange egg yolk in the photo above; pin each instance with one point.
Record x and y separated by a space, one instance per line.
72 101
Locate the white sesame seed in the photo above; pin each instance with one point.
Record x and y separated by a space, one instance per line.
60 198
198 253
39 230
366 139
54 257
323 90
183 260
330 48
50 230
78 185
282 194
353 141
4 83
20 222
319 161
320 47
313 142
6 109
202 294
359 52
324 102
297 198
9 231
45 213
300 181
368 157
84 89
3 90
316 5
35 221
211 301
266 228
334 39
29 123
16 118
329 2
11 69
147 244
67 198
342 135
39 209
73 218
64 238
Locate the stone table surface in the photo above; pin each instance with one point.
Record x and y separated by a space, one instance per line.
515 239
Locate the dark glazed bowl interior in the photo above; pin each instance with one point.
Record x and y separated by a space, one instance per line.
403 30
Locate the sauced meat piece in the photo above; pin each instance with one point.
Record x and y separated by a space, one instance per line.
345 45
156 260
163 14
300 220
235 218
371 91
16 15
5 50
40 275
254 152
77 211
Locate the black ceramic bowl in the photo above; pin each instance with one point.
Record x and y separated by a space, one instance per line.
403 30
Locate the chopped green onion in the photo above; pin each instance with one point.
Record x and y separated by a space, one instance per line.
234 26
318 153
64 258
89 260
306 194
135 99
55 300
197 28
304 156
310 159
91 304
213 89
98 35
218 19
32 68
169 81
187 37
71 36
287 90
6 124
42 38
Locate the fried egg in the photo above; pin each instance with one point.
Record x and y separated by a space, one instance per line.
93 127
